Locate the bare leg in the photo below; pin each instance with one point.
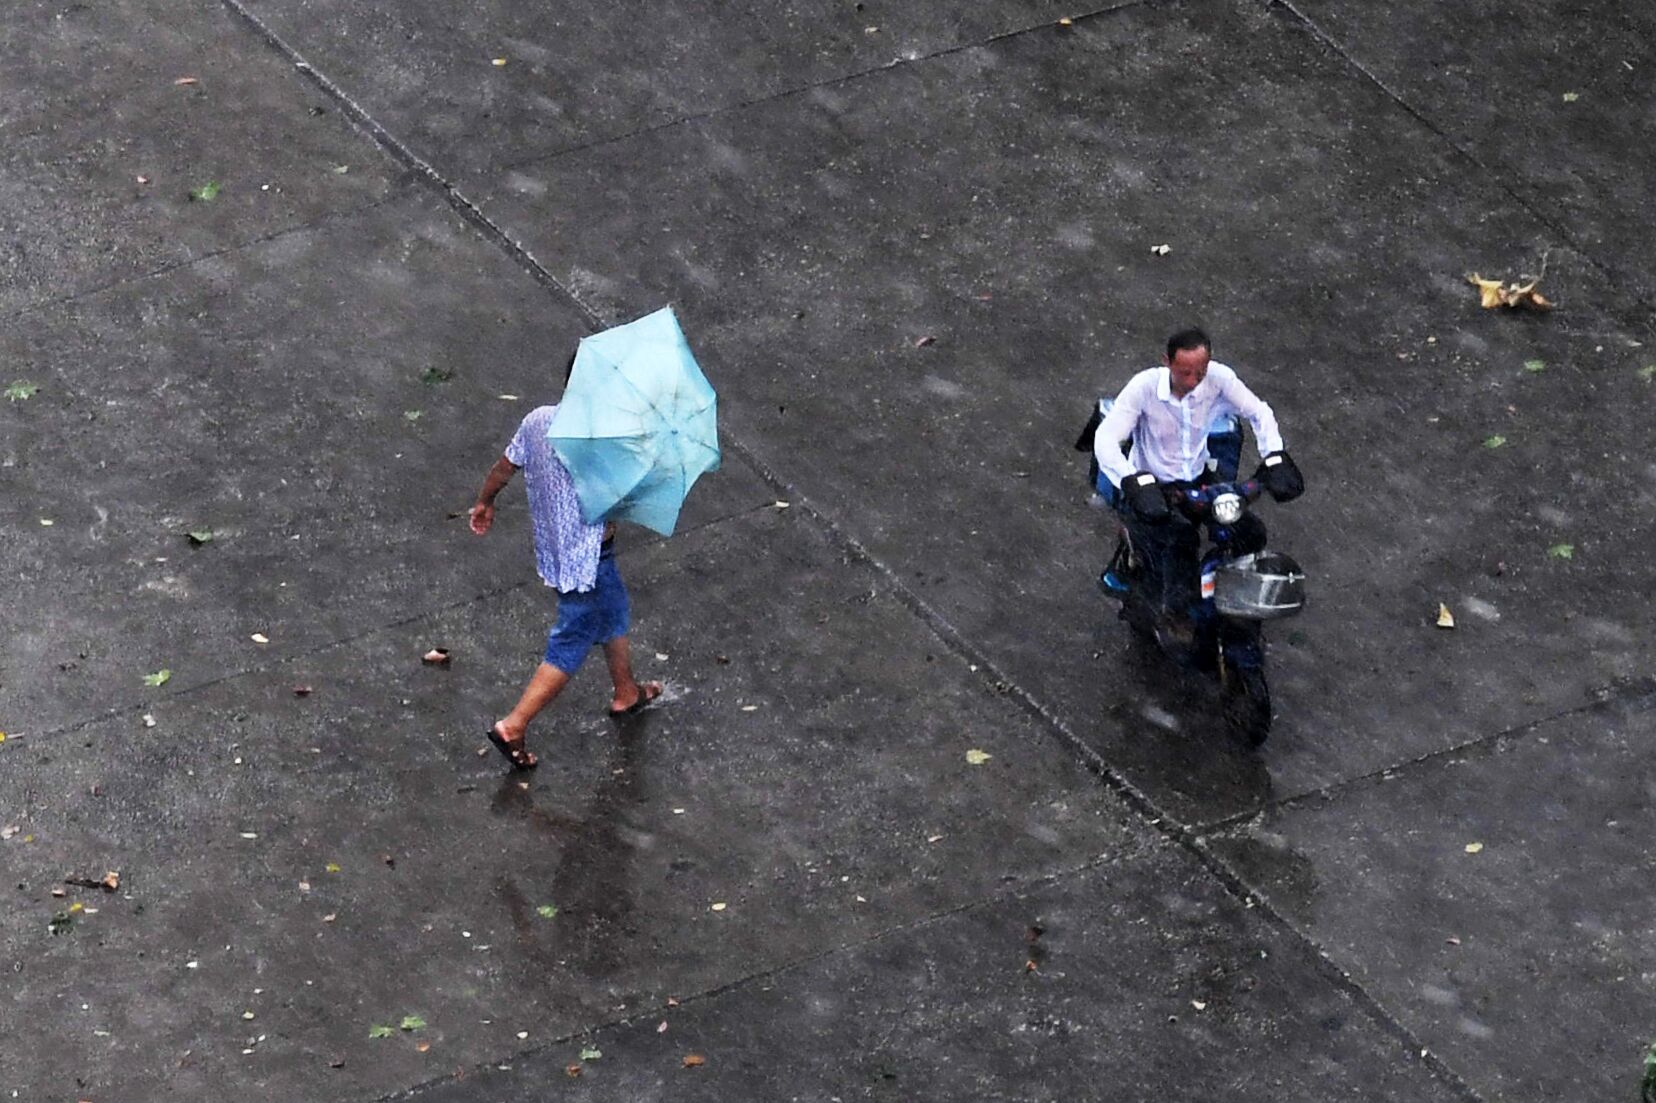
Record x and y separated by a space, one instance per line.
546 683
628 690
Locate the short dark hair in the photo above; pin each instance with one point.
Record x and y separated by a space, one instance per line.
1187 339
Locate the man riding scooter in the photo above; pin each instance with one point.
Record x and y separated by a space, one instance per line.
1167 412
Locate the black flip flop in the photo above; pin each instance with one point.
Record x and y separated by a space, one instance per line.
645 700
516 752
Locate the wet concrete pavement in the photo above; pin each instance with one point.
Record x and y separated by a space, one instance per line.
320 372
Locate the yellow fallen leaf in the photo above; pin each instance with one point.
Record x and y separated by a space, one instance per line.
1494 293
1445 619
332 867
977 757
694 1060
1473 848
719 907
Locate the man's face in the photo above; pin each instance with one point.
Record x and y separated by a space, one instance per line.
1187 368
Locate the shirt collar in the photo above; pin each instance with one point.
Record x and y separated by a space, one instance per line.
1164 383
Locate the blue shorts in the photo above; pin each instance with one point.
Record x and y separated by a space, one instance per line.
587 620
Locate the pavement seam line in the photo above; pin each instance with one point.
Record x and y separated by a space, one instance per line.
826 82
1140 802
114 711
405 156
1419 115
1129 850
1637 698
395 193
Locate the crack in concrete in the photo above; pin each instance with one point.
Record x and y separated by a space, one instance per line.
827 82
341 641
1127 852
395 193
1419 115
1634 698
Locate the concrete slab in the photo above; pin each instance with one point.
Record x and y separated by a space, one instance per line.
802 783
265 396
89 102
573 75
1553 101
1320 232
1149 984
1526 964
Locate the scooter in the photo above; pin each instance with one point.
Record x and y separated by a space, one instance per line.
1242 585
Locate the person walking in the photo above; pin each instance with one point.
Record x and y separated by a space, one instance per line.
578 560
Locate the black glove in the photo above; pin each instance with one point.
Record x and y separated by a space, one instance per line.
1144 494
1281 477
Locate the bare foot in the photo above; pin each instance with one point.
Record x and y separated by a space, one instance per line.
637 701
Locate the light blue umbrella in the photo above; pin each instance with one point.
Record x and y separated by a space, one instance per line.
636 426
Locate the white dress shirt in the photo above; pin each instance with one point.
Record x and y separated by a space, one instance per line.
1170 434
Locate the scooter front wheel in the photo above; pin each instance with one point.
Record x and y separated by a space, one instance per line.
1248 704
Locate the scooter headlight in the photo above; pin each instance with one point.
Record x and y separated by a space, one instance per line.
1227 509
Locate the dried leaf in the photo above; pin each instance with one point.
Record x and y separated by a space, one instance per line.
1493 293
977 758
1445 619
422 1047
572 1071
694 1060
111 881
924 341
187 80
437 656
302 691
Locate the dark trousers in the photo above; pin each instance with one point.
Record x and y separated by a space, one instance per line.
1169 555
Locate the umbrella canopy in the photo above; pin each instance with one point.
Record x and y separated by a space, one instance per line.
637 423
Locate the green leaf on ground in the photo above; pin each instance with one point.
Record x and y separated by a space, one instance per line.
977 757
591 1053
412 1022
1535 365
159 678
207 192
547 911
1648 372
1571 97
435 375
21 389
411 416
199 537
1647 1090
340 170
1495 441
380 1032
1562 551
